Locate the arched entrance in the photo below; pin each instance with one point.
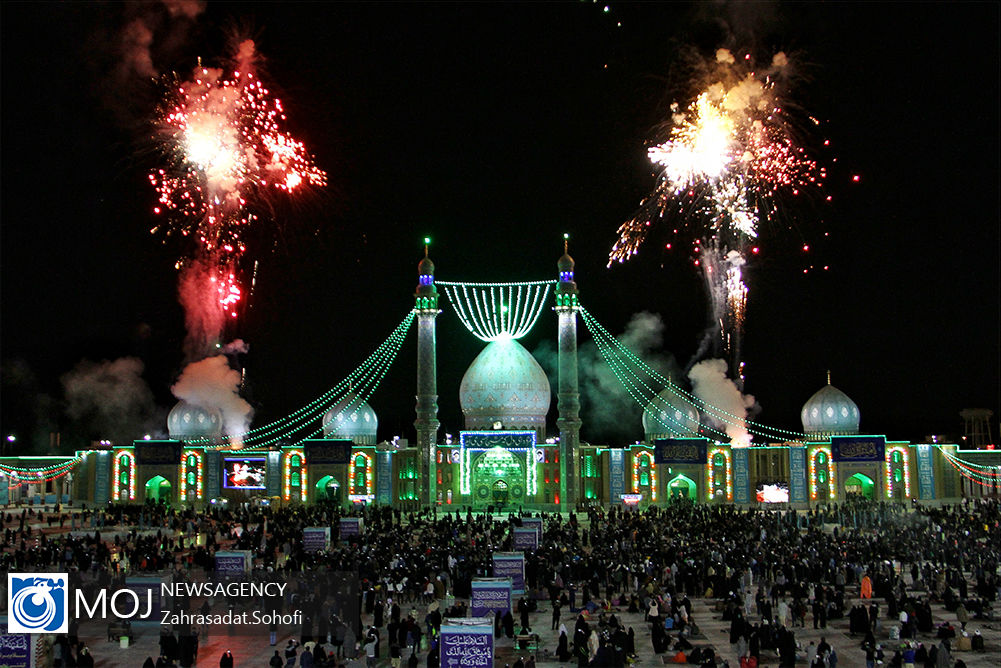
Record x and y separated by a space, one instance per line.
498 478
681 487
158 490
860 484
328 489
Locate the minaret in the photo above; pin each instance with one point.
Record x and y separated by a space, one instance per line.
568 397
426 304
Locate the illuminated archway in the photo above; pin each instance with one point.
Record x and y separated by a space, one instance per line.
719 474
191 481
498 478
644 473
898 469
360 474
158 489
294 477
681 486
123 473
860 484
822 475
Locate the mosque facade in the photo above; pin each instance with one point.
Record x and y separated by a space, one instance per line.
504 458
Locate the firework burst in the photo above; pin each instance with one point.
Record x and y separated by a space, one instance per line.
227 154
729 156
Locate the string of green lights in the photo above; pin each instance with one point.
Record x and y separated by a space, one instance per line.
718 413
373 366
8 469
491 311
648 396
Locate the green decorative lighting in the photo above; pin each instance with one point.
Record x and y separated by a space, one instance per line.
718 413
493 311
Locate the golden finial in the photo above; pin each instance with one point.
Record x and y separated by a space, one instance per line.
828 376
566 243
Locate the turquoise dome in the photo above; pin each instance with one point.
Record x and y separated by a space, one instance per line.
352 419
830 412
187 421
669 416
505 384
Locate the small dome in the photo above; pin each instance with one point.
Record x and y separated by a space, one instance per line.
830 411
352 419
426 267
669 415
565 263
187 421
505 384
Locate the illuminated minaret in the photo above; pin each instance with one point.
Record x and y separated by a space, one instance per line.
426 304
568 397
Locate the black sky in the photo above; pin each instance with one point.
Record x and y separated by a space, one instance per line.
495 128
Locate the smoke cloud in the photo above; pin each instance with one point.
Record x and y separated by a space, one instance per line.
204 316
608 411
212 384
112 399
711 385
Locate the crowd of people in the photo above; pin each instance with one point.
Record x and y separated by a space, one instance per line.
768 572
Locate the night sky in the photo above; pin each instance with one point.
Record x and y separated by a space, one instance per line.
495 129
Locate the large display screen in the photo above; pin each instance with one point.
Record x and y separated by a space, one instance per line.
244 473
776 493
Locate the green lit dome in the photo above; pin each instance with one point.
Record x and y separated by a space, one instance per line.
505 384
668 416
352 419
830 411
187 421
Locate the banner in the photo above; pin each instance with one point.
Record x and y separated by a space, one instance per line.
147 587
153 453
534 522
232 563
102 479
351 526
926 473
680 451
489 596
741 476
797 474
511 565
273 478
213 474
15 648
616 474
326 451
384 478
467 643
858 448
315 539
525 538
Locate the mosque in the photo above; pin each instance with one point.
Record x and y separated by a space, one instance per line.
504 458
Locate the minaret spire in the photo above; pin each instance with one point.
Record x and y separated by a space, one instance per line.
568 397
426 305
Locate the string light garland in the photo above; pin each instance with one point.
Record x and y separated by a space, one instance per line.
727 473
637 456
197 464
718 413
127 458
828 469
493 311
888 466
357 386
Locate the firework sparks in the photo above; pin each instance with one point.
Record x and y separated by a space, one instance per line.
728 155
227 154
